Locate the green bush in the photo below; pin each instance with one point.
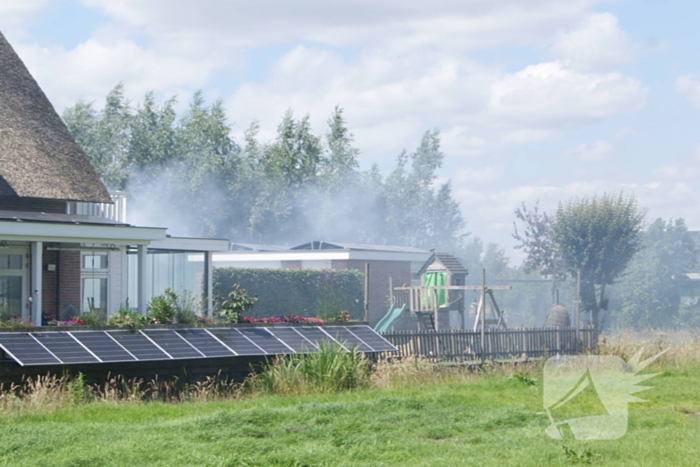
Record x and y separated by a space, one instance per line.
91 318
237 303
162 309
125 318
293 291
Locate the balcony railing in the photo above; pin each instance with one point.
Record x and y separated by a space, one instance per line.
115 212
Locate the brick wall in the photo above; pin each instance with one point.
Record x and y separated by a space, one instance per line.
68 268
379 274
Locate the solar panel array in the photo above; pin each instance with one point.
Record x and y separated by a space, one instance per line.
74 347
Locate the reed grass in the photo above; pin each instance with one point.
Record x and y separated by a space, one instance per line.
331 369
48 393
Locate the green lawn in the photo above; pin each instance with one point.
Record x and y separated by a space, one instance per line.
469 420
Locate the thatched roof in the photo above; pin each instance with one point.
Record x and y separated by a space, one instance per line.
38 156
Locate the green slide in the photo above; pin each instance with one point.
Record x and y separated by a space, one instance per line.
389 318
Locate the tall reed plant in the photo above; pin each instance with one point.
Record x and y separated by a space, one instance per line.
331 369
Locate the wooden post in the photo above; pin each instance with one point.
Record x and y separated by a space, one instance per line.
435 309
391 291
437 322
578 309
367 292
142 268
483 316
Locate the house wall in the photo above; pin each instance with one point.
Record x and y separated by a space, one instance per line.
67 271
379 274
15 203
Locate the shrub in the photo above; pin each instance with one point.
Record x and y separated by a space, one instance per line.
237 302
125 318
91 318
163 308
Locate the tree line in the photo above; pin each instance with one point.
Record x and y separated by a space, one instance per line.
303 186
299 187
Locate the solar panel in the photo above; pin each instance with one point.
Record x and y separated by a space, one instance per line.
372 339
173 344
263 339
26 350
316 335
103 346
205 342
347 338
56 348
64 347
237 341
293 339
138 345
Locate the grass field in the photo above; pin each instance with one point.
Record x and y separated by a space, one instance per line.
410 415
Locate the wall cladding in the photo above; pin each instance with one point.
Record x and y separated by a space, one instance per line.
15 203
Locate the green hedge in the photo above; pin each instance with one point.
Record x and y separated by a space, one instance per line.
303 292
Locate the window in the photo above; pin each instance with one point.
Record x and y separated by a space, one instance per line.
95 261
94 283
95 295
10 261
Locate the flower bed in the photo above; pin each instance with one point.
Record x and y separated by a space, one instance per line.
284 319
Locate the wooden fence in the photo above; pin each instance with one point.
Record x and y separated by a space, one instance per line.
462 345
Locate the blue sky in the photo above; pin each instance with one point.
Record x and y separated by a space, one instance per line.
535 99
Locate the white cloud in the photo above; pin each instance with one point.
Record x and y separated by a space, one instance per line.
689 87
596 151
92 68
480 110
14 15
478 176
408 71
450 23
549 94
594 43
388 100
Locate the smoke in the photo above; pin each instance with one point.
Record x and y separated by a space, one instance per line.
165 197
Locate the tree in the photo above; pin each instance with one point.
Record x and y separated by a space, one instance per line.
152 140
651 290
537 242
598 237
595 236
104 137
341 163
417 213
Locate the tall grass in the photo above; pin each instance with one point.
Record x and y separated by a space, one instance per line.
52 392
331 369
682 348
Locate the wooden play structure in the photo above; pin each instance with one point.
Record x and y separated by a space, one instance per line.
442 291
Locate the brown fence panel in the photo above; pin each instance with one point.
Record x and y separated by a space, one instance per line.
514 343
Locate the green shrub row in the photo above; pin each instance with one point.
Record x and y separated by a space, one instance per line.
303 292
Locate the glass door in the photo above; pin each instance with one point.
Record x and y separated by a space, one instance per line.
13 283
